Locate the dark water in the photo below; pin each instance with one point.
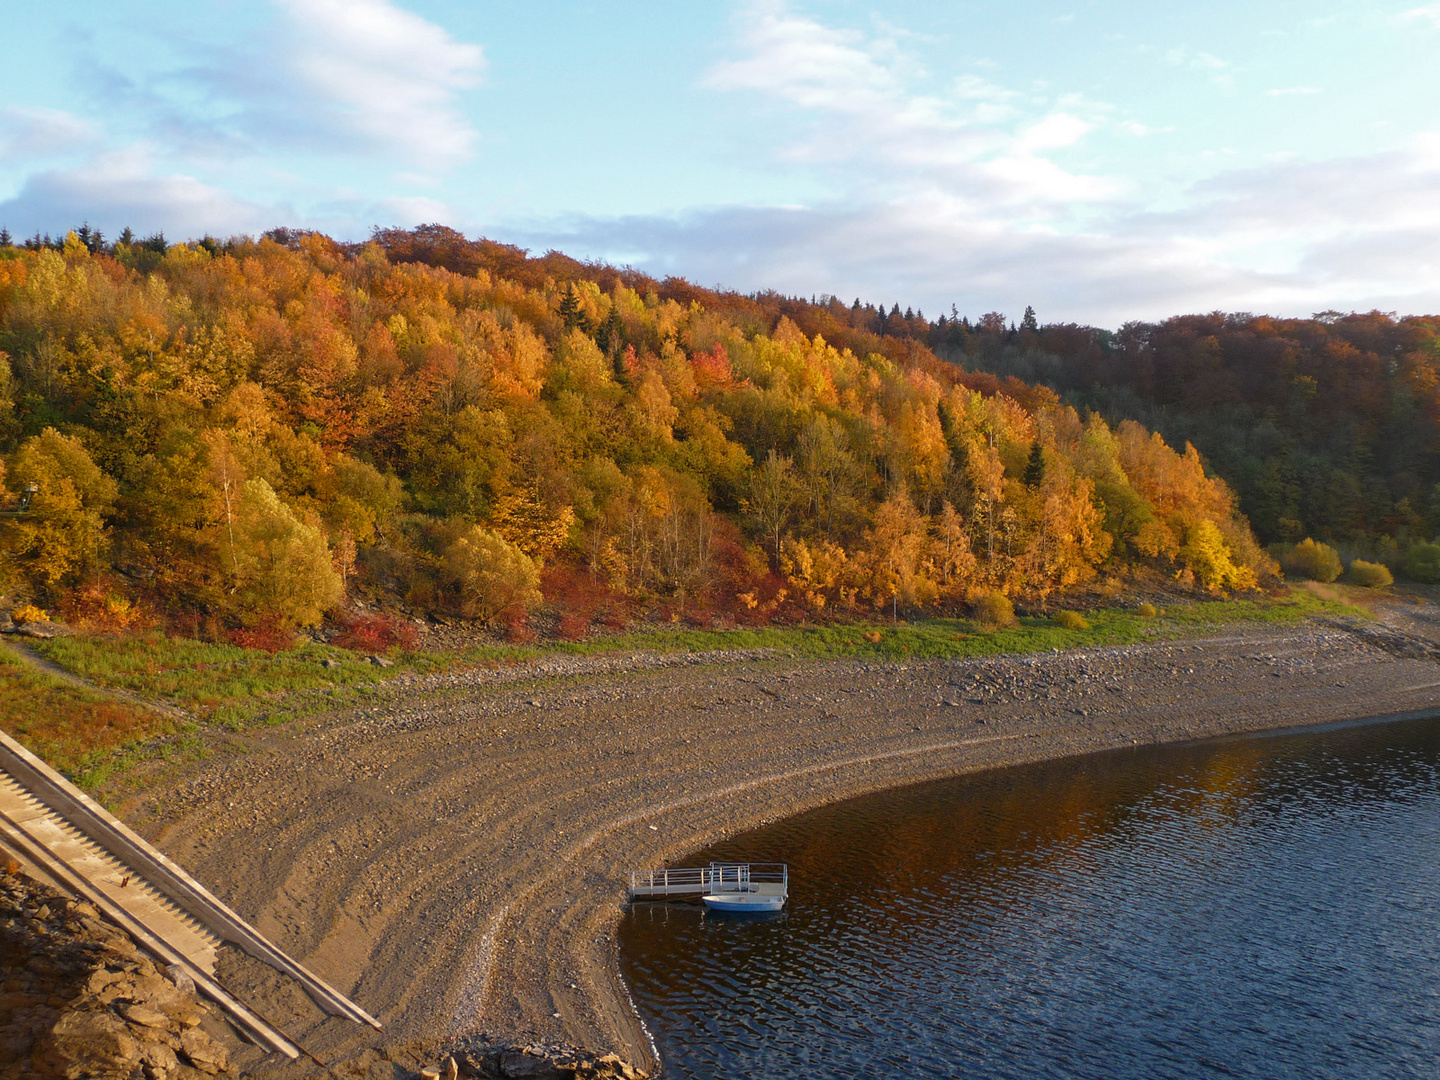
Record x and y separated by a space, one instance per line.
1261 907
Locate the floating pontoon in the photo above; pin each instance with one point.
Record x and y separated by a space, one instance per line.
721 886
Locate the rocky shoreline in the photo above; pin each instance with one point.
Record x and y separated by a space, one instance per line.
456 861
78 999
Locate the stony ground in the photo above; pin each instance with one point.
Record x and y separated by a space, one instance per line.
77 999
456 859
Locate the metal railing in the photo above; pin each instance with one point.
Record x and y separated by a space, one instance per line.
718 877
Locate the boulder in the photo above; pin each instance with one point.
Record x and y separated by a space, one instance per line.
204 1053
518 1065
90 1044
43 630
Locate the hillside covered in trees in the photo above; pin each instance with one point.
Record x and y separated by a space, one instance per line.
1326 427
239 434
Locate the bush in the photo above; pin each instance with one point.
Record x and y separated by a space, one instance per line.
492 576
992 610
1071 620
375 633
280 565
1422 563
272 636
1311 561
1369 575
29 613
1147 610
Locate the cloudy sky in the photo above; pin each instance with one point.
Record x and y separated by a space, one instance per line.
1104 160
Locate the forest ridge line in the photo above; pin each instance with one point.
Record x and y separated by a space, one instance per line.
233 436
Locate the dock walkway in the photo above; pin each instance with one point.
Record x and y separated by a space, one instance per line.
763 879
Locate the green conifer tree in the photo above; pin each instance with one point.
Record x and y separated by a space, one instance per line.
1035 467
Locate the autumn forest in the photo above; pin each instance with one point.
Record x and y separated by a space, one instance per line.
235 437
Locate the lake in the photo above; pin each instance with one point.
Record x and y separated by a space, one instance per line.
1252 907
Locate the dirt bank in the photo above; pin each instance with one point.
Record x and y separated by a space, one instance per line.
456 860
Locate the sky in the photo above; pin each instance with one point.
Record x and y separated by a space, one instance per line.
1102 161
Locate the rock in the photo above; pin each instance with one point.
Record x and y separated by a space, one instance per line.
330 662
519 1065
204 1053
43 630
381 661
93 1044
159 1056
181 978
146 1016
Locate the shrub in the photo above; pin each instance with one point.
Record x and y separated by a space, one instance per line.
1071 620
1147 610
992 610
1369 575
1311 561
572 626
272 636
29 613
375 633
491 574
1422 563
280 565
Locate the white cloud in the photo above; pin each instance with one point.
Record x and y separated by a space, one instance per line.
1429 13
1056 130
1294 237
122 188
1294 91
386 74
874 121
31 134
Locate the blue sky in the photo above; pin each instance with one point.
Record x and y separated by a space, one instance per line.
1103 161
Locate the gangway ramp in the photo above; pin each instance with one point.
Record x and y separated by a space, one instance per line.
87 850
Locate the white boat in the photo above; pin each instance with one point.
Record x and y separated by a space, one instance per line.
753 903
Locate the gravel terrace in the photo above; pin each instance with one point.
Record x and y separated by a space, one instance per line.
455 859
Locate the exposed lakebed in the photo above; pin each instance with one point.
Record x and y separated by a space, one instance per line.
1261 907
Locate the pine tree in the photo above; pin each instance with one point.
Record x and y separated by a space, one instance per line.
1029 322
1035 467
5 240
571 313
611 335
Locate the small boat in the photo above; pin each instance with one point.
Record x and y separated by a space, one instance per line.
745 903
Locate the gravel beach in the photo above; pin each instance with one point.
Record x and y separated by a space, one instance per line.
455 858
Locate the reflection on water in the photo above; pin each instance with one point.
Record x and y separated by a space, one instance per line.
1260 907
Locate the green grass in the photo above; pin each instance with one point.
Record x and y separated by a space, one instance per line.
226 687
958 638
83 732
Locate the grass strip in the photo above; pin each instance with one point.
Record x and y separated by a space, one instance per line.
227 687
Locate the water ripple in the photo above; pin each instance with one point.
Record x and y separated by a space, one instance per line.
1256 908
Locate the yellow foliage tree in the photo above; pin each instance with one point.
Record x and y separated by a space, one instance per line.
1207 556
490 575
894 564
61 538
281 567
